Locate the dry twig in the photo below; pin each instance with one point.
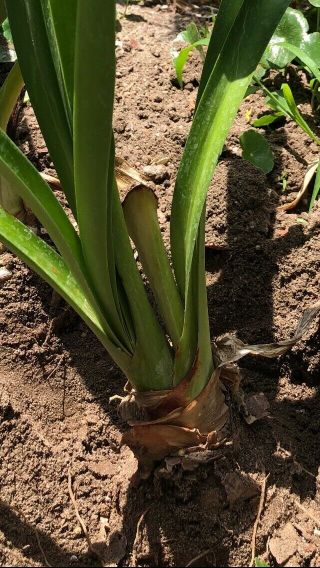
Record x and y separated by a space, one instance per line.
136 538
36 534
80 519
257 521
196 558
56 368
47 563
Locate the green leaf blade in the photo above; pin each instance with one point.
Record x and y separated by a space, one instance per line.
295 113
256 150
140 211
180 59
152 363
230 75
44 260
60 20
38 70
228 12
267 119
24 180
216 111
94 153
293 29
27 183
316 189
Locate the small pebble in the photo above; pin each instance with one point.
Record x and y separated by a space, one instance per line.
78 532
156 172
5 274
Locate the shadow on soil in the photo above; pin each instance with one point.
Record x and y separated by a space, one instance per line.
34 544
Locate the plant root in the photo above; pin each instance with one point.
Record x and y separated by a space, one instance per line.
137 536
198 557
46 562
257 521
81 522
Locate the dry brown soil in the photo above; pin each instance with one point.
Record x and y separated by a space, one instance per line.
263 270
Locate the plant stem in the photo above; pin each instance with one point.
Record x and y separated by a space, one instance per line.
126 8
287 111
10 201
152 362
9 95
140 211
316 189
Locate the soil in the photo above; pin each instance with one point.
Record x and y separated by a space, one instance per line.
57 425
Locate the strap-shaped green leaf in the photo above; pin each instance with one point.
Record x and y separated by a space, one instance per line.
287 105
44 260
194 355
28 183
305 58
94 152
228 12
31 43
152 362
195 346
115 290
249 27
217 109
60 20
140 212
316 188
180 59
25 181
